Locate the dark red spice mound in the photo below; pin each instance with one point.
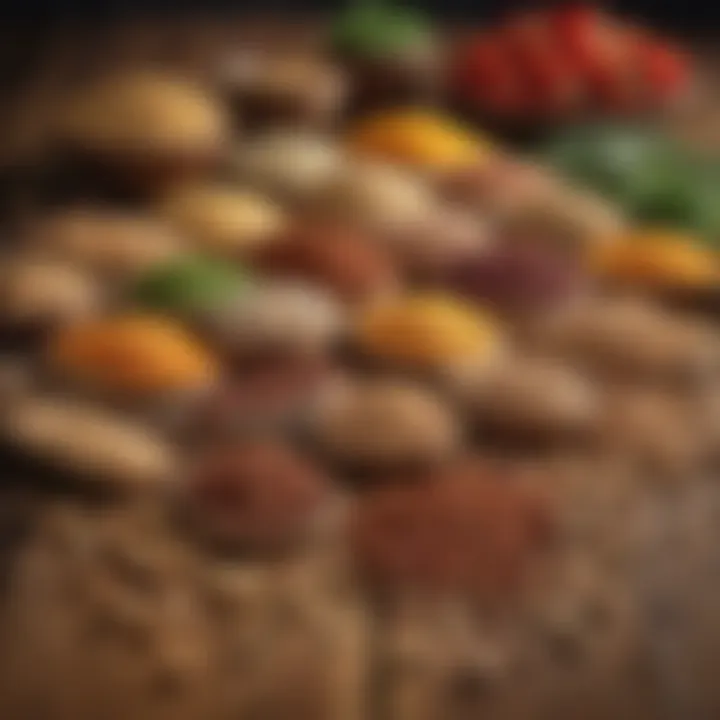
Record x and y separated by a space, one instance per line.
337 258
518 278
258 495
461 531
266 392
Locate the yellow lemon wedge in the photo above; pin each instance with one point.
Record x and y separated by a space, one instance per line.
426 330
419 139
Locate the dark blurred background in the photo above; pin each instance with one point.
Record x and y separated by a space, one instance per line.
702 16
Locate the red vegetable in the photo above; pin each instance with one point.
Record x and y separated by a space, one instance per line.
664 69
611 69
528 32
560 61
576 29
556 86
552 84
485 76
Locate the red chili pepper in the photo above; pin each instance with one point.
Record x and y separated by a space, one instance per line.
575 29
553 62
612 70
526 32
554 84
485 75
665 69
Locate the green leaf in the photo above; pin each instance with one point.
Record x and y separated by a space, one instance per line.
188 285
626 164
653 178
706 197
378 30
